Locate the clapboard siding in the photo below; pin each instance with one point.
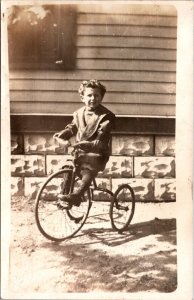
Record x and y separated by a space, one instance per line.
131 31
123 64
66 108
126 53
72 97
131 48
134 20
126 42
112 86
85 74
138 9
117 64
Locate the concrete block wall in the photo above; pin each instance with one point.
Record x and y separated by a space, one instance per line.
146 162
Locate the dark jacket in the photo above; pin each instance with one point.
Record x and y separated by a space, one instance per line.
97 131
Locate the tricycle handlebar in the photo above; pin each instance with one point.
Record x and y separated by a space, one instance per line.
67 143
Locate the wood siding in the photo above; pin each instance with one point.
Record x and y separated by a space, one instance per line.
130 48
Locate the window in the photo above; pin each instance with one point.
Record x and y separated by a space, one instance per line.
42 37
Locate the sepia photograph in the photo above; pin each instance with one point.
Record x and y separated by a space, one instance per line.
97 137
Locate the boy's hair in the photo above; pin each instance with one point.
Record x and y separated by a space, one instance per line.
93 83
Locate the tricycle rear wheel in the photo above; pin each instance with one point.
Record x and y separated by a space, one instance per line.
122 207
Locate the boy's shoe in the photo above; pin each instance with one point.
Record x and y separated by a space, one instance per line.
73 199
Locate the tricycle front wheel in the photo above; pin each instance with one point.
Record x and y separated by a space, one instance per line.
55 221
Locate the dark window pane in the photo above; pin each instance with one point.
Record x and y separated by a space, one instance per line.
42 37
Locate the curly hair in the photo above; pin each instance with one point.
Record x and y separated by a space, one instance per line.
93 83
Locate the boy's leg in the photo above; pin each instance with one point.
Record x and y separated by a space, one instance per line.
87 176
66 183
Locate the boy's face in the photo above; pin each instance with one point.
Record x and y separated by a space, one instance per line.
91 97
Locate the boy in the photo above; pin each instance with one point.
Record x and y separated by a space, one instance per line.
92 126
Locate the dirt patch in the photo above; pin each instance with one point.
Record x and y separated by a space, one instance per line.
98 259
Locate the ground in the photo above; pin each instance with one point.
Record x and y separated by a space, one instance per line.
99 259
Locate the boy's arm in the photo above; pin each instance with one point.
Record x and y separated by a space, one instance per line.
103 134
69 131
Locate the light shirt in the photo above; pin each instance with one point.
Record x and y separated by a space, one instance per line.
89 116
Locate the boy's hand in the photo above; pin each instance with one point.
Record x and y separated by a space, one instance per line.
62 135
61 141
85 146
56 135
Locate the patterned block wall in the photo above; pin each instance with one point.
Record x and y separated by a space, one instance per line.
132 145
147 163
28 165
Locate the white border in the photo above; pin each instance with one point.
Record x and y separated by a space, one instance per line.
184 154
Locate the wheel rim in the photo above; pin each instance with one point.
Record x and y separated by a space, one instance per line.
122 208
54 221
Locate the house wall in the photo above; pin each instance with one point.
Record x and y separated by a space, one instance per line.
146 162
131 48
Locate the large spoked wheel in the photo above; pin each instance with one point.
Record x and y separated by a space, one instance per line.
55 221
122 207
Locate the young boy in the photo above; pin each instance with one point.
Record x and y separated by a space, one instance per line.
92 126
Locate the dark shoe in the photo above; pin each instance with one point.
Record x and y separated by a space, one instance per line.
73 199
